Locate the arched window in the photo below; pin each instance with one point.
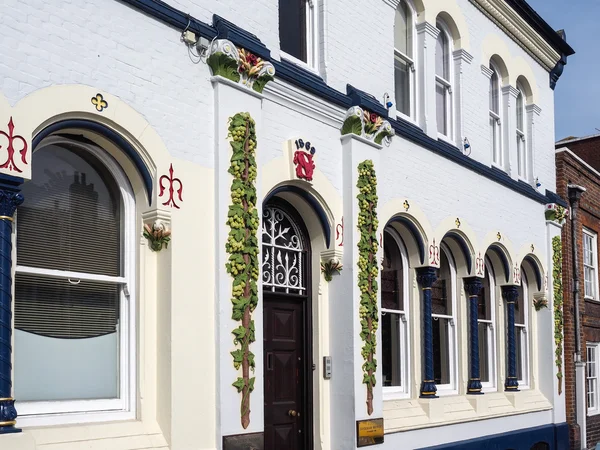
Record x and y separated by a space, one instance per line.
298 30
487 341
443 299
74 305
495 111
443 81
522 332
404 65
522 151
394 306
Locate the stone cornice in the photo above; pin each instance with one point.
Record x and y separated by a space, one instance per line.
487 71
463 55
510 90
534 109
520 31
393 3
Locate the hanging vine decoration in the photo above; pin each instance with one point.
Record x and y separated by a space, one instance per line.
369 270
558 306
242 247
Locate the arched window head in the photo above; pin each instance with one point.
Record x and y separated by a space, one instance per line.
73 282
443 78
404 65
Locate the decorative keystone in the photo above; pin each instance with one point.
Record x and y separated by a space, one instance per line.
367 125
239 65
556 213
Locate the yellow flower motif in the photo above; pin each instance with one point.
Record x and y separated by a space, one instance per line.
99 102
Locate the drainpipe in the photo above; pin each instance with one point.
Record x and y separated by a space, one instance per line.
575 192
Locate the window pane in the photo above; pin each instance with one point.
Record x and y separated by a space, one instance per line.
519 309
402 85
391 349
403 30
494 93
292 27
70 219
441 350
519 337
520 106
484 352
70 334
392 290
441 105
441 56
494 134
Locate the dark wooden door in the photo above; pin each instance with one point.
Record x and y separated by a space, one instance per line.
286 402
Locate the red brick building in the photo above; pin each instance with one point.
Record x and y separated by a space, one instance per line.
578 162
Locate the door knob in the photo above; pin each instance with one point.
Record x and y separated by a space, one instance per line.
292 413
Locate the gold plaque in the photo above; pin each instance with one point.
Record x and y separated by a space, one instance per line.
369 432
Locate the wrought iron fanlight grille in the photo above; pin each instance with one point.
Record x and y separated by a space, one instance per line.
283 253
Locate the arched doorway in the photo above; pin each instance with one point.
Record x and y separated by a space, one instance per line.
287 328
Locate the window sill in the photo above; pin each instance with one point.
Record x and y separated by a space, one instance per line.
299 62
392 394
411 414
404 117
593 412
446 139
51 420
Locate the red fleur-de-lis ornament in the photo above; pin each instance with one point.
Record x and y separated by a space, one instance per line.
10 162
172 188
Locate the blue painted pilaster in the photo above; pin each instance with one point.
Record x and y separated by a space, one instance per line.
426 276
10 198
510 294
473 287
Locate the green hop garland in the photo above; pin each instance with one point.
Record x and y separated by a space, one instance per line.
558 306
369 271
242 247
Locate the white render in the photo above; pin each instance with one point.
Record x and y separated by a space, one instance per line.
54 58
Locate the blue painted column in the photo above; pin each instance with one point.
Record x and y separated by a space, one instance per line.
426 276
10 198
473 287
510 294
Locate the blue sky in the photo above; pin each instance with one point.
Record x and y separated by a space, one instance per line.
577 95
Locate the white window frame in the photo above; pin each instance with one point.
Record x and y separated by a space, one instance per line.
592 349
495 122
447 85
522 142
525 352
402 391
312 39
593 237
490 386
47 413
450 388
412 64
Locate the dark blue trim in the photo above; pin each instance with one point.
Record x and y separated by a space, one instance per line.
312 83
473 287
536 271
463 246
503 258
233 33
510 295
316 206
111 135
365 101
414 232
555 435
172 16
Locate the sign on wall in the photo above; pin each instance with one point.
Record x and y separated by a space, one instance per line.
369 432
15 142
301 156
